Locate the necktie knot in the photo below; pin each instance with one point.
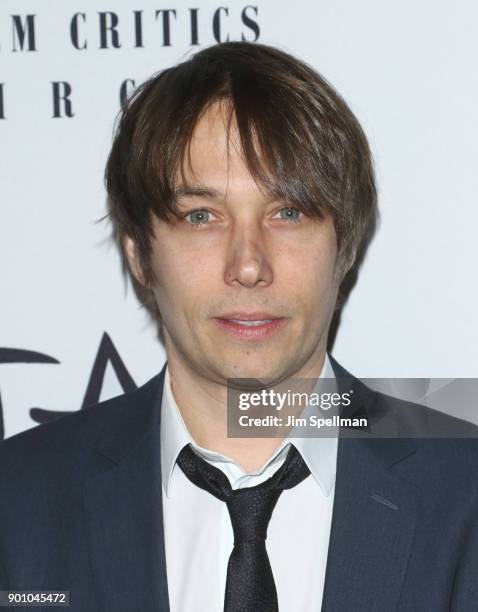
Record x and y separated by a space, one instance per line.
249 584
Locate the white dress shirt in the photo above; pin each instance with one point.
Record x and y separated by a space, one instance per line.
197 527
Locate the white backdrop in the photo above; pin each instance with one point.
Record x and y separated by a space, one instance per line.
408 71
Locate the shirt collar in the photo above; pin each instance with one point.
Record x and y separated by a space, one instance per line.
318 453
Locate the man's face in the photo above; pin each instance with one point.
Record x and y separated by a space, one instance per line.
236 253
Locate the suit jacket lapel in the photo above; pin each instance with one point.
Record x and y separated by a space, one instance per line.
123 508
373 521
372 529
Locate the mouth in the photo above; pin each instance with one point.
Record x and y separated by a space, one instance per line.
250 326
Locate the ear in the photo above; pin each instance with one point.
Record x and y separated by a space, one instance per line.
131 252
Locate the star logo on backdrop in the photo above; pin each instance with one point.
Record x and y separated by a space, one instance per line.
106 354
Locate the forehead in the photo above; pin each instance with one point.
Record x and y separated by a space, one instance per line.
214 153
245 163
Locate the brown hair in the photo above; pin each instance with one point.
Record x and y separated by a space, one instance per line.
300 141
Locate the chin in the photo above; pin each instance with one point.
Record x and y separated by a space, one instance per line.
247 368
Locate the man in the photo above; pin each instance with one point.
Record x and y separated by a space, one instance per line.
242 197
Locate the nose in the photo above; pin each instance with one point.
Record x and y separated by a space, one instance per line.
248 257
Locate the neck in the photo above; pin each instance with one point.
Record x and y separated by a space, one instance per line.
204 411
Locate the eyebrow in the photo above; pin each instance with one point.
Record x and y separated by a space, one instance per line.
200 191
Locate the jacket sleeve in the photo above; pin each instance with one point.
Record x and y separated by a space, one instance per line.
3 578
465 586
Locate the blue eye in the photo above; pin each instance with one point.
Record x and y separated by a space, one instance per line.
290 214
198 217
201 217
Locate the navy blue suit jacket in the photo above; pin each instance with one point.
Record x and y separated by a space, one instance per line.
81 511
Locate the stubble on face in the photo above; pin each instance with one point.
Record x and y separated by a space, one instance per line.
245 257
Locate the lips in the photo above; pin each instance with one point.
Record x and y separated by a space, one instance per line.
250 325
249 316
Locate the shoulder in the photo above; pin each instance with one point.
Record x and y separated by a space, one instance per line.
427 443
68 436
416 420
443 448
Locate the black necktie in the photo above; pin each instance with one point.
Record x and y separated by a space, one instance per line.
249 584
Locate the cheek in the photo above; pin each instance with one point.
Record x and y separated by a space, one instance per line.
182 274
311 267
